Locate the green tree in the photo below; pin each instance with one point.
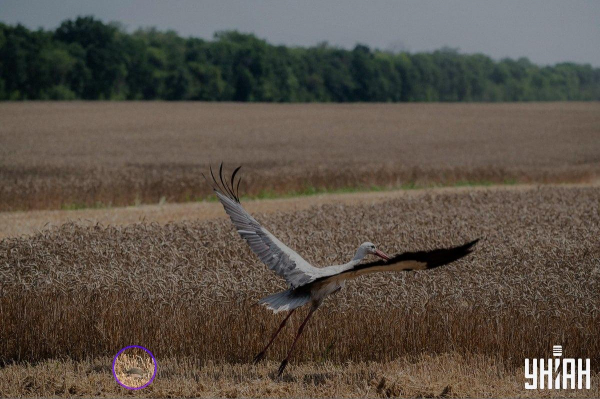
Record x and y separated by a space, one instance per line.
85 58
104 55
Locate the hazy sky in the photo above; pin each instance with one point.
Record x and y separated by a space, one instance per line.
545 31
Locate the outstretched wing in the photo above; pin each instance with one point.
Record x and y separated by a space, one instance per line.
409 261
278 257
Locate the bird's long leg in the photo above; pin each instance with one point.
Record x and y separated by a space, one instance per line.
300 329
262 353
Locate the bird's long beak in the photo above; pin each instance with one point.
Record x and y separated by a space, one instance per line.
381 255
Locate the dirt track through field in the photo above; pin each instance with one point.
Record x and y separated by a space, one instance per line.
29 222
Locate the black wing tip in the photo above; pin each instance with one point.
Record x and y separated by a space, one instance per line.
469 246
449 255
229 189
432 259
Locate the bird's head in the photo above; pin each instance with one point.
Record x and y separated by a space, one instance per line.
368 248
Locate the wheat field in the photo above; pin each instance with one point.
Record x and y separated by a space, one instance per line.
78 154
78 285
185 291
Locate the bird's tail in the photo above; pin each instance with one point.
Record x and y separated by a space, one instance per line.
285 300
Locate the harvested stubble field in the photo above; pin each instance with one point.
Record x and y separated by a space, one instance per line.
186 290
71 155
134 367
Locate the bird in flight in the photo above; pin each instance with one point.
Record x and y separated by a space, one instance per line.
308 284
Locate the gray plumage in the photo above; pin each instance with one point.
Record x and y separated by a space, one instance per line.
286 300
277 256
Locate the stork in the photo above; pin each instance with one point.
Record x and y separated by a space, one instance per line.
308 284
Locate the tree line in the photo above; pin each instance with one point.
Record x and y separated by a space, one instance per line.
91 60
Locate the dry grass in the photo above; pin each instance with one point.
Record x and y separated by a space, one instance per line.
430 376
134 367
57 155
186 289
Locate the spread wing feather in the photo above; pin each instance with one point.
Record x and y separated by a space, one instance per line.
408 261
277 256
422 260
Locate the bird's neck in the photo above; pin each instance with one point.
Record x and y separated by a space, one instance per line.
358 257
347 266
